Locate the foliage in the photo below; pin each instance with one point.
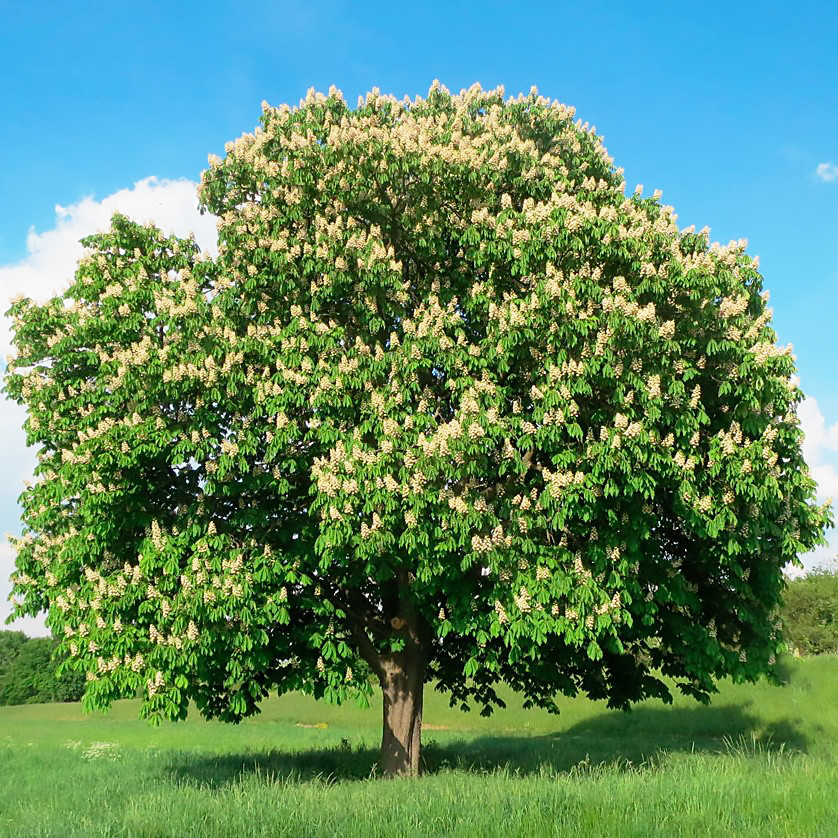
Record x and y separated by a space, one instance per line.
810 613
10 643
448 400
28 671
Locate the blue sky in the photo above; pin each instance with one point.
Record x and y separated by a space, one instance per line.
730 108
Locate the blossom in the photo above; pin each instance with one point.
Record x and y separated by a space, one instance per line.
522 601
157 538
653 386
667 329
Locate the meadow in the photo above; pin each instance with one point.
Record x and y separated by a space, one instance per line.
760 760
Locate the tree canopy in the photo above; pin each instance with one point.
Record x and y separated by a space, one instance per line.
449 404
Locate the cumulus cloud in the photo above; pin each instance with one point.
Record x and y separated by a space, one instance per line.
819 441
827 172
820 447
51 256
46 270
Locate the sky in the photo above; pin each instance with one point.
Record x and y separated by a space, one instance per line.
731 109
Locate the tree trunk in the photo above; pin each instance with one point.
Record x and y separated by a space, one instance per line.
402 683
401 674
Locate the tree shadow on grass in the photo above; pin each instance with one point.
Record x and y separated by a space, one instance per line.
328 765
629 741
624 741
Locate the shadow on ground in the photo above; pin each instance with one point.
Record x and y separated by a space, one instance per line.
629 741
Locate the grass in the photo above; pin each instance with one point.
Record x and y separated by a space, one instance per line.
760 760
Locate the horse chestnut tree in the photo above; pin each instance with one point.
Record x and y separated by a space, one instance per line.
449 405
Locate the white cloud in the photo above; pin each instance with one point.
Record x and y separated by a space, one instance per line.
819 448
827 172
51 257
49 266
818 438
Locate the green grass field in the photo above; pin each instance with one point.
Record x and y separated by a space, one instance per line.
760 760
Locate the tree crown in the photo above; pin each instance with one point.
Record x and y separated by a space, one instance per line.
445 382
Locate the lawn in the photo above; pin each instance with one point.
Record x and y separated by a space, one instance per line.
760 760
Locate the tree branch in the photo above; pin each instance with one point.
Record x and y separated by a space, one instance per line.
368 652
491 492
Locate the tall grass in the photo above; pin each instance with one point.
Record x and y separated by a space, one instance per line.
760 760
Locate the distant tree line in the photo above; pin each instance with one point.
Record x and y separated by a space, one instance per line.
28 671
810 613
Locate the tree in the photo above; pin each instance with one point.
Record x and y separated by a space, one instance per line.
810 612
10 645
448 405
28 671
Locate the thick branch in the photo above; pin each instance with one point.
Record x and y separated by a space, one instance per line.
491 492
356 606
368 651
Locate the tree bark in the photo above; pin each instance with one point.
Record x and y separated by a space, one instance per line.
402 680
401 674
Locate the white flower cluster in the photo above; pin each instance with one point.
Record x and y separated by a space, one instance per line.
522 601
481 543
733 306
558 481
458 504
375 525
704 504
667 329
731 439
157 537
764 350
154 686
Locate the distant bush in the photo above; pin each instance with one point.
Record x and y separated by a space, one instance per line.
810 613
27 671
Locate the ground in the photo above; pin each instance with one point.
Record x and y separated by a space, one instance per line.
760 760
